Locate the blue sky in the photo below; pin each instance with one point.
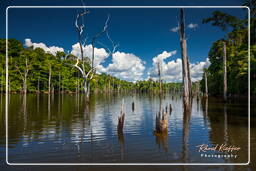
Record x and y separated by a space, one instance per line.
143 35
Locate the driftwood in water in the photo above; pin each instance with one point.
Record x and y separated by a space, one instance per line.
161 122
121 118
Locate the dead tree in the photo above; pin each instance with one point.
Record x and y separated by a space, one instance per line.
80 64
121 118
206 84
159 77
185 63
170 108
24 71
161 122
225 71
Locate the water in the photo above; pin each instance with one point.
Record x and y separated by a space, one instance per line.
62 128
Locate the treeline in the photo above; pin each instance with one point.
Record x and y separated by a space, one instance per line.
236 41
34 70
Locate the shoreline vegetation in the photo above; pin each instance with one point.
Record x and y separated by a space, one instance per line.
32 70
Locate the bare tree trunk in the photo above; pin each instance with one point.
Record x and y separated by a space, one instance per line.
25 78
159 76
49 80
185 63
225 72
38 84
121 118
88 90
2 81
25 85
206 85
59 82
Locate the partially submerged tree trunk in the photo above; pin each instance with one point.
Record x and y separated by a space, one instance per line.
224 71
185 63
161 122
121 118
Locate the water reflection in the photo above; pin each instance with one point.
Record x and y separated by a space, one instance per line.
65 128
121 143
162 140
185 134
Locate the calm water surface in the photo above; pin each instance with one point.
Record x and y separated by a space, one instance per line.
62 128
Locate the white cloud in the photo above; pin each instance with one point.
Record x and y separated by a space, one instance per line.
100 54
172 70
52 49
196 70
174 29
125 66
164 55
192 26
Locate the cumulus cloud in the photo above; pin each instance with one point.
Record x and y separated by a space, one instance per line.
192 26
196 70
125 66
172 70
100 54
52 49
174 29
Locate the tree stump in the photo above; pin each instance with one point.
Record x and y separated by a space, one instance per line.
170 108
133 106
161 122
121 118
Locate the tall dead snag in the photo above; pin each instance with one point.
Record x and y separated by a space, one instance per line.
225 71
159 77
121 118
81 62
185 63
206 84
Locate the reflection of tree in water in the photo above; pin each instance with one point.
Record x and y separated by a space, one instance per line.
162 140
24 110
229 125
205 109
121 141
161 125
185 133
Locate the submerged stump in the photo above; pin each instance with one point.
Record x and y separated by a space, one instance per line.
121 118
161 122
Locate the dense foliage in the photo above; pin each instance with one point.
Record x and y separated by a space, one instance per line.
236 41
36 70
